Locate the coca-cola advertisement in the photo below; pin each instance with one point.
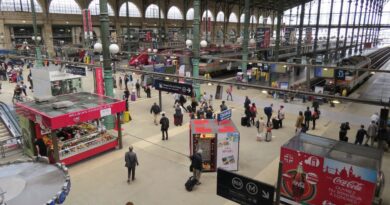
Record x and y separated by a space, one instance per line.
310 179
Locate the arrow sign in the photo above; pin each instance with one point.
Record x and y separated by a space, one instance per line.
265 195
173 87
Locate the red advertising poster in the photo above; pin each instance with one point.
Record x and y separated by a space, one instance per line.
310 179
99 81
85 20
89 21
267 38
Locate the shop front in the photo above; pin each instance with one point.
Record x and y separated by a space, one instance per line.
70 128
219 142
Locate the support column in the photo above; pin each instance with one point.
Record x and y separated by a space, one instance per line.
302 17
245 41
38 61
329 29
338 29
195 47
47 36
379 22
277 40
5 37
364 26
371 22
360 20
108 82
353 28
185 8
317 28
128 29
346 30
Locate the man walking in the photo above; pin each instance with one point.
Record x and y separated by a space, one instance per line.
155 110
131 161
372 131
197 165
307 115
138 88
164 121
360 135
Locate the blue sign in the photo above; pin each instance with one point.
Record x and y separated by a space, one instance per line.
339 74
226 114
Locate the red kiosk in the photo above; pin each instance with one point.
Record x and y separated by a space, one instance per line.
219 142
71 126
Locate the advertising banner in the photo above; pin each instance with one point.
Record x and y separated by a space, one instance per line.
288 34
263 37
304 175
99 81
227 152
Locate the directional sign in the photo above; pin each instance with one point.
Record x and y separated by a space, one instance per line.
76 70
226 114
180 88
243 190
339 74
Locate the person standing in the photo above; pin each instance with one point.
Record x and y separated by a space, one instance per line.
229 92
126 80
24 88
299 122
253 110
315 116
268 112
131 162
281 115
164 122
120 82
372 131
194 104
197 165
40 147
247 102
343 131
260 125
360 135
307 115
223 106
147 91
155 110
138 88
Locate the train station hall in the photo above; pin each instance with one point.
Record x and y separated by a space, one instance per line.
188 102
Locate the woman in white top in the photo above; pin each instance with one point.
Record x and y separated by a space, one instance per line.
260 125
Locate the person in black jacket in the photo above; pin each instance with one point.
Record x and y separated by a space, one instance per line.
307 115
197 165
343 131
247 102
360 135
164 122
155 110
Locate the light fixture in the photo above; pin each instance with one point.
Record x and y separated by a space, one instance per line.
203 43
336 101
325 69
155 50
98 47
23 21
252 41
114 48
67 22
149 50
188 42
372 73
264 92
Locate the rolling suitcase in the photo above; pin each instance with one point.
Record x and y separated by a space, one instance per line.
191 182
275 124
178 120
268 136
244 121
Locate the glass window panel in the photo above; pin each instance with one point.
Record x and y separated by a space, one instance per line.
261 20
233 18
19 5
242 18
133 10
152 12
94 7
64 7
220 16
174 13
208 14
190 14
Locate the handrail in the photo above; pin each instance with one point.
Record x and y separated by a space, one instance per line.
10 120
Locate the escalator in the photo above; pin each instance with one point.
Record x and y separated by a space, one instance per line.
10 133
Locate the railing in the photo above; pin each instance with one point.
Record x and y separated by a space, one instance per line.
10 122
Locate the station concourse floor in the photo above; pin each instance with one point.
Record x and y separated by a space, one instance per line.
164 165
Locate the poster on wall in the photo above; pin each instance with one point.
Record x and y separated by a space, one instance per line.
99 81
303 175
288 34
262 37
227 154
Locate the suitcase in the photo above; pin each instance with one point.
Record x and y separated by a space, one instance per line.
191 182
178 120
268 137
275 124
133 97
244 121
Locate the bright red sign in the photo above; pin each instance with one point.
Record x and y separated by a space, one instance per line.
310 179
99 81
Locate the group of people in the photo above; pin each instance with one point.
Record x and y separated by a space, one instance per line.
302 123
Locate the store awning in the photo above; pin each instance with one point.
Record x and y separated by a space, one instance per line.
83 107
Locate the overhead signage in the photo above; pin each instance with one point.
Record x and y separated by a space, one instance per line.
76 70
172 87
243 190
226 114
339 74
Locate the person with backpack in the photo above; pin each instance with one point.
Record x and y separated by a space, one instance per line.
268 112
307 115
155 110
360 135
281 116
343 131
197 165
164 122
315 116
253 111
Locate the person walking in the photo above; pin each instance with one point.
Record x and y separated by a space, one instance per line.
247 102
344 127
372 132
360 135
268 112
147 91
229 92
307 115
138 88
281 116
253 111
164 122
223 106
299 122
155 110
315 116
131 162
24 88
120 82
197 165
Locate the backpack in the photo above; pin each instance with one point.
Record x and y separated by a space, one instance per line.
268 110
165 123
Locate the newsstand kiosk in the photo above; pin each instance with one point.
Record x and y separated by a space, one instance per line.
219 142
317 170
71 126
